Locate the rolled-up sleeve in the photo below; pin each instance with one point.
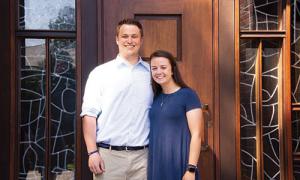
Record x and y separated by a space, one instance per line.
91 105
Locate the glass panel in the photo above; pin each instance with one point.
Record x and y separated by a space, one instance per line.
270 60
259 14
296 170
295 79
296 132
295 50
32 108
47 15
63 107
248 54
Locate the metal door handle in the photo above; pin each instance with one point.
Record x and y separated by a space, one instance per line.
207 124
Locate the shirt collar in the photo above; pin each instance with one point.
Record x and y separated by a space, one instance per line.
121 61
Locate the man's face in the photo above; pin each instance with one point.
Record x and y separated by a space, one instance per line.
129 41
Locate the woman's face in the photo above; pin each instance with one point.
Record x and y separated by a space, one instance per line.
161 70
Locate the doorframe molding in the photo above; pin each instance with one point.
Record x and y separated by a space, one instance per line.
216 88
13 156
226 158
6 89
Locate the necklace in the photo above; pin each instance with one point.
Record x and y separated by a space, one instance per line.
163 100
165 97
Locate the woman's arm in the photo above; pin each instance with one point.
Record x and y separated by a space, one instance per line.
195 123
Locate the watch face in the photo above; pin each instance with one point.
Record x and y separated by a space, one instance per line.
191 169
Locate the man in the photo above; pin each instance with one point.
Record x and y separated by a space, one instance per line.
115 108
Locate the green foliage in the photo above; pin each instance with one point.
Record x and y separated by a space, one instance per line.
65 20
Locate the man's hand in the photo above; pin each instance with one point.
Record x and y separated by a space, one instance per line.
96 164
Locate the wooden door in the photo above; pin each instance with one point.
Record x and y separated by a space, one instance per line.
183 27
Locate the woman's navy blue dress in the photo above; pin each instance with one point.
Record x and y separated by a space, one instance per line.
169 134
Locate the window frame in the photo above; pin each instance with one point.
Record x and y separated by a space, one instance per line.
16 35
284 95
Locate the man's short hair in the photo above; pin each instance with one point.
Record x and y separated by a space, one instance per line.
129 21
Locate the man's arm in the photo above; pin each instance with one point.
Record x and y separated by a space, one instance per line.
95 162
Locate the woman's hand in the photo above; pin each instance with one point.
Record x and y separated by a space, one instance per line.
188 176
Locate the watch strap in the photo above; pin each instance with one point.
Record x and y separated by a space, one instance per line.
191 168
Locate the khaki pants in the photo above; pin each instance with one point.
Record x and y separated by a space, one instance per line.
123 165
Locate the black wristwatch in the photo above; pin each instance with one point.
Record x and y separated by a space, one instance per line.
191 168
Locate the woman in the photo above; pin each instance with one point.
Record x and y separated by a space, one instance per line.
175 123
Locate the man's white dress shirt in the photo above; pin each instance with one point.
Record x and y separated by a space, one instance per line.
120 95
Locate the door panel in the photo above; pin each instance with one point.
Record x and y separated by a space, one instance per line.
181 27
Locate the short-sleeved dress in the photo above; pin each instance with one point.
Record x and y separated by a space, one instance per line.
169 134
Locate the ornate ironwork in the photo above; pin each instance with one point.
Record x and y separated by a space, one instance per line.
258 14
248 53
33 101
270 125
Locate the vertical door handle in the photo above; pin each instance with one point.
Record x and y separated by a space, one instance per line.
207 124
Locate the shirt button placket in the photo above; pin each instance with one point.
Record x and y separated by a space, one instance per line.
131 81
